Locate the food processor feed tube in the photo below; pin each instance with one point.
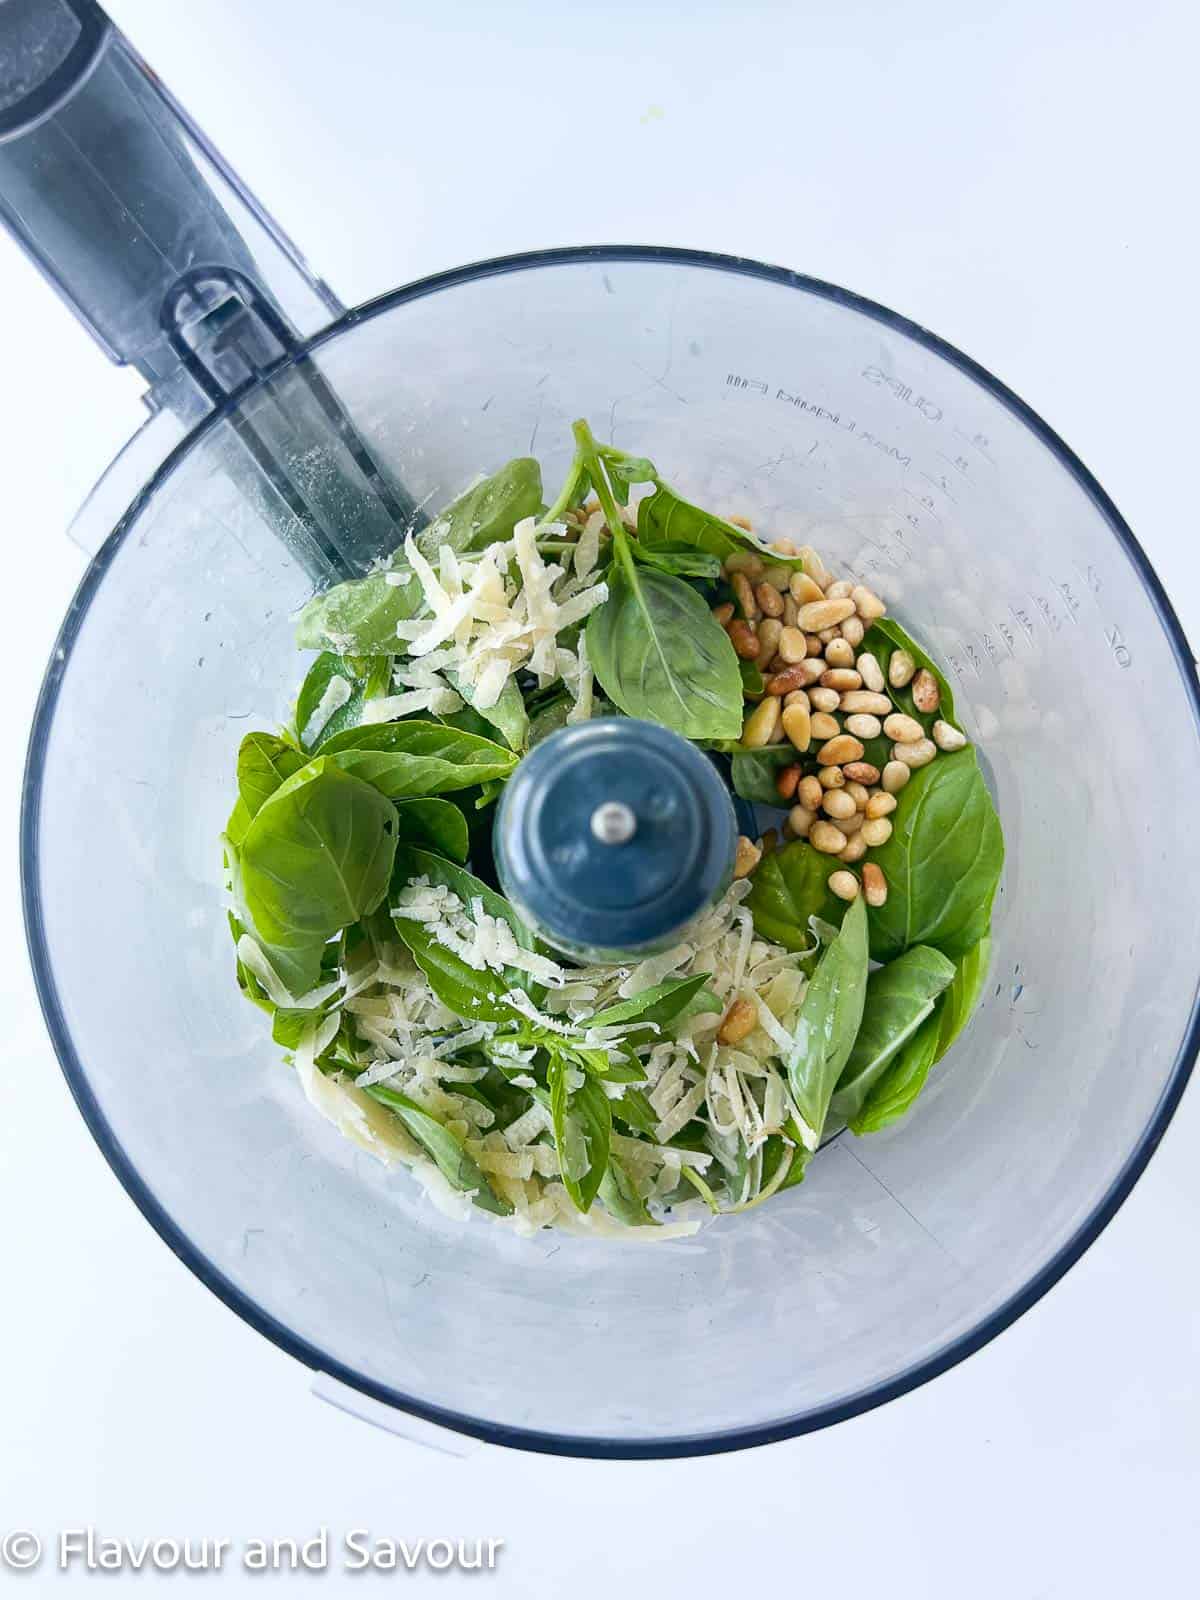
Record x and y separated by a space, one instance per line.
176 270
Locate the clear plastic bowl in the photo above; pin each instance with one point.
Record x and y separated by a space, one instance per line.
824 418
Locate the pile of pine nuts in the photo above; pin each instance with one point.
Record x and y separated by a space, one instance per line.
825 695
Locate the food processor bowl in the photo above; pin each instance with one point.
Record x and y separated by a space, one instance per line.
823 418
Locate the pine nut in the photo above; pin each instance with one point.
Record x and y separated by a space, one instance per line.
844 679
797 724
875 886
900 669
770 602
904 730
839 654
861 772
761 725
870 672
769 630
867 603
812 668
919 753
745 561
838 804
856 790
743 593
815 647
947 737
779 737
744 640
791 645
863 726
809 793
824 726
824 699
841 590
785 547
800 820
852 631
844 885
740 1022
823 836
925 692
790 611
787 682
840 749
855 849
746 856
815 567
723 613
741 522
895 776
851 824
827 636
796 697
787 780
824 614
874 705
804 590
881 804
831 778
778 577
877 831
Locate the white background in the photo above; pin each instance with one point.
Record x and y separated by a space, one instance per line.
1020 177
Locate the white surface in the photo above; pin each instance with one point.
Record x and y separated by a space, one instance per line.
1025 185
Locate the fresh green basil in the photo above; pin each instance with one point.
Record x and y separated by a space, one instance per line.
434 825
754 772
657 1006
682 560
960 999
828 1021
635 1111
359 617
789 887
475 995
621 1198
263 763
899 998
452 1160
665 517
882 640
752 678
902 1080
658 652
508 716
582 1132
317 857
942 862
487 512
404 760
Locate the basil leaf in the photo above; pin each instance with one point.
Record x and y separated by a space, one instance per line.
246 980
942 862
470 993
635 1111
828 1021
508 716
359 617
683 560
902 1080
658 652
900 997
317 857
452 1160
621 1199
665 517
434 825
263 763
661 1004
754 773
752 678
408 759
961 998
789 886
487 512
883 639
582 1132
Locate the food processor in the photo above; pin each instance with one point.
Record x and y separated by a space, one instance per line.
288 440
